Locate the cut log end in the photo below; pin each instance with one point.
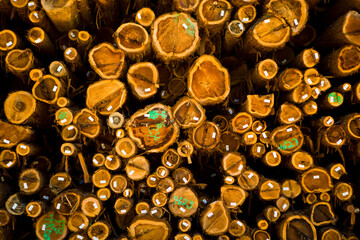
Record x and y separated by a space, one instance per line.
183 31
133 39
208 81
107 61
145 17
143 79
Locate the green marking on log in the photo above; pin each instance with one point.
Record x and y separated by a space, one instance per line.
335 97
185 202
53 225
289 144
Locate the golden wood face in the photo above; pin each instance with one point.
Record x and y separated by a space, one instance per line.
153 128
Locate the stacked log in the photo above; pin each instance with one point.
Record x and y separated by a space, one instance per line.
183 119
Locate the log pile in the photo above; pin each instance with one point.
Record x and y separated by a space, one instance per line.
182 119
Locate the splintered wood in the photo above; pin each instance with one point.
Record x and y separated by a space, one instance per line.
180 119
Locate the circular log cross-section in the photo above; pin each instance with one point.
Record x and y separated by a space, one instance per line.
91 206
331 234
51 226
34 209
152 180
48 89
334 136
19 107
269 190
233 163
15 205
290 189
308 58
301 161
125 148
159 199
237 228
264 71
206 136
259 106
352 125
186 5
145 17
142 208
321 214
106 96
214 14
175 36
118 183
70 133
272 158
137 168
283 204
188 113
232 196
143 79
77 222
289 113
123 205
153 129
59 182
133 39
20 62
112 162
343 191
148 227
343 62
30 181
208 81
215 219
35 74
88 123
59 70
242 122
101 178
337 170
64 116
99 230
184 224
248 180
229 142
8 40
246 14
267 34
287 139
297 227
294 12
182 176
171 159
116 120
183 202
107 61
66 203
316 180
289 79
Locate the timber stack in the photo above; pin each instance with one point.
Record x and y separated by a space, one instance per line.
181 119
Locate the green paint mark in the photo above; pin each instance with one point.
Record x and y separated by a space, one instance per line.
63 115
289 144
335 97
187 24
157 129
154 114
53 225
184 202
